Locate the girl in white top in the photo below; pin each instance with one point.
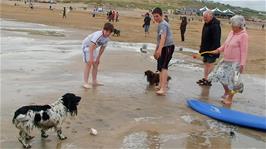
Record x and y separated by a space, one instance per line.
93 47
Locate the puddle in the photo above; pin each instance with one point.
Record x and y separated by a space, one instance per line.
150 139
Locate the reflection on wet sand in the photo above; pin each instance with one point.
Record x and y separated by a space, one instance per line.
205 91
201 140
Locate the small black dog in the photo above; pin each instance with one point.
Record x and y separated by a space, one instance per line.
45 117
116 32
153 77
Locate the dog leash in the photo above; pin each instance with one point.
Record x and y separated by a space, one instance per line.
196 55
200 54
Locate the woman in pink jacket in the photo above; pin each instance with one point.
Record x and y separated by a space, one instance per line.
235 50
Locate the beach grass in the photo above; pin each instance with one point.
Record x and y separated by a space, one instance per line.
171 4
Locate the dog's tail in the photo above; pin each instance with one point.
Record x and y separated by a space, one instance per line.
13 120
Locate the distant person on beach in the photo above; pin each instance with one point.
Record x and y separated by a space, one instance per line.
147 23
210 40
64 12
183 28
94 13
109 16
164 49
31 6
117 17
93 47
235 49
262 27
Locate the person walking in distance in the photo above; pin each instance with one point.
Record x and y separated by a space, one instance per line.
183 27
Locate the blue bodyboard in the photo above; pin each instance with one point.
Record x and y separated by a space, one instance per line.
227 115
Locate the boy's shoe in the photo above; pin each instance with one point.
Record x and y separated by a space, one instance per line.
208 83
87 86
200 81
205 82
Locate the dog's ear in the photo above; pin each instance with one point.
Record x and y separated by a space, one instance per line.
78 99
67 98
145 73
149 73
67 95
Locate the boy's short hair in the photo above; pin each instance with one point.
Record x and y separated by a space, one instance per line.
157 10
108 27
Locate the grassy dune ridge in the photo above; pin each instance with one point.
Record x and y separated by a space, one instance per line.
170 4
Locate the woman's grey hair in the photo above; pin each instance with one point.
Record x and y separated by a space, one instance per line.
238 21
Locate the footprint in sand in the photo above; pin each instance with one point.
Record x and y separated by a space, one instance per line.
99 120
74 131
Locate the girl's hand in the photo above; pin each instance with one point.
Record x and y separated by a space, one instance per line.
91 62
97 61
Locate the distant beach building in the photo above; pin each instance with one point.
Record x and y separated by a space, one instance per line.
186 11
195 11
204 9
201 10
217 12
228 13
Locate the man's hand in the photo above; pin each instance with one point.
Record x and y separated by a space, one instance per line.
215 51
241 68
157 54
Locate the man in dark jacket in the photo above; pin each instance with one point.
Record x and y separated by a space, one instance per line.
183 27
64 12
147 22
210 40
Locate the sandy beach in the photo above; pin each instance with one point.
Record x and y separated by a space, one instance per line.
130 25
42 60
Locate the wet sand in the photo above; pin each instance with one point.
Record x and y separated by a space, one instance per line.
125 111
130 25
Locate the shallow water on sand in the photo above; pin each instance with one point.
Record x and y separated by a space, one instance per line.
38 68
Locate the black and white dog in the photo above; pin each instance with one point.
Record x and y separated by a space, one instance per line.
45 117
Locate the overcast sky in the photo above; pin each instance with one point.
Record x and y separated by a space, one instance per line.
252 4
